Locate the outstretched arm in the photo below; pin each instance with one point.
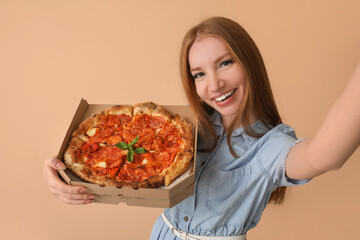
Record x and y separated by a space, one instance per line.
335 141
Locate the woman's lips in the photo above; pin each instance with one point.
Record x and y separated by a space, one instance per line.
227 100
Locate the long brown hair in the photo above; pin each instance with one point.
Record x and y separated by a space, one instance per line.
258 98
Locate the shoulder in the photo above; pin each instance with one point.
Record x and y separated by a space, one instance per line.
281 132
276 140
269 134
273 149
275 145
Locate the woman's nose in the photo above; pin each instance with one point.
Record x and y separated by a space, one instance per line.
215 83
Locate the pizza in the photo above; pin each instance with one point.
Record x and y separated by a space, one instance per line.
139 146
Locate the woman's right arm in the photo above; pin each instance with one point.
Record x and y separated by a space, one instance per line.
335 141
67 193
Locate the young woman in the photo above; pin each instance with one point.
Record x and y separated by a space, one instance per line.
246 157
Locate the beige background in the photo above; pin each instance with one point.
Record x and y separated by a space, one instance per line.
52 53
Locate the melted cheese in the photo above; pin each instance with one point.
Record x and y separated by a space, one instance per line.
84 138
102 164
91 132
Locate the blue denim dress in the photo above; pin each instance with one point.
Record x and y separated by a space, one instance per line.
232 193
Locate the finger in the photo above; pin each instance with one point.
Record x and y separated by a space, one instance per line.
50 174
62 187
56 163
75 202
74 196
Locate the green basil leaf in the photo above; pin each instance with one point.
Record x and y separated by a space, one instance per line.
134 141
140 150
122 145
130 155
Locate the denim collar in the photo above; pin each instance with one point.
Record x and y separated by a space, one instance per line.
216 118
258 126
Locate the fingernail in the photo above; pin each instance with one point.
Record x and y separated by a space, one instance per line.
92 197
88 201
60 165
82 190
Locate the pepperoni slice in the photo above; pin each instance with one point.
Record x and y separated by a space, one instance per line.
126 134
163 157
136 131
113 172
140 121
156 122
135 172
106 132
112 140
111 120
124 119
87 148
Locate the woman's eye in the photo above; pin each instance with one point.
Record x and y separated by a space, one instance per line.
226 63
198 75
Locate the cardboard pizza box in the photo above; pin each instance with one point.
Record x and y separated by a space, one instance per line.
162 197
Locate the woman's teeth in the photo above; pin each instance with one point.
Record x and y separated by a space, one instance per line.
225 96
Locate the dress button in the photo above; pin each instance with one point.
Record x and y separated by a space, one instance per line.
186 218
203 164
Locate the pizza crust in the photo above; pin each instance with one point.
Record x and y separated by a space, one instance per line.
144 108
159 111
185 129
118 110
151 182
183 158
89 123
178 167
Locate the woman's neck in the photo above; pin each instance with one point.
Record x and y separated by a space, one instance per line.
227 120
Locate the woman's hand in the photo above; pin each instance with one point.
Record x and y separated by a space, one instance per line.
67 193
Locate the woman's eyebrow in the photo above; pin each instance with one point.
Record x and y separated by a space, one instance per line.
194 69
221 57
218 59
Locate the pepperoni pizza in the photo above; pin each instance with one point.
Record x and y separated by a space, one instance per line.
134 146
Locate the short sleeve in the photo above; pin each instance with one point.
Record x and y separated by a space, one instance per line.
274 151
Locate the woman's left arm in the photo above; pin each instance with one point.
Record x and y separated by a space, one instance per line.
335 141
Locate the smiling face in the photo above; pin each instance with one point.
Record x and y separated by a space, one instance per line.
219 79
